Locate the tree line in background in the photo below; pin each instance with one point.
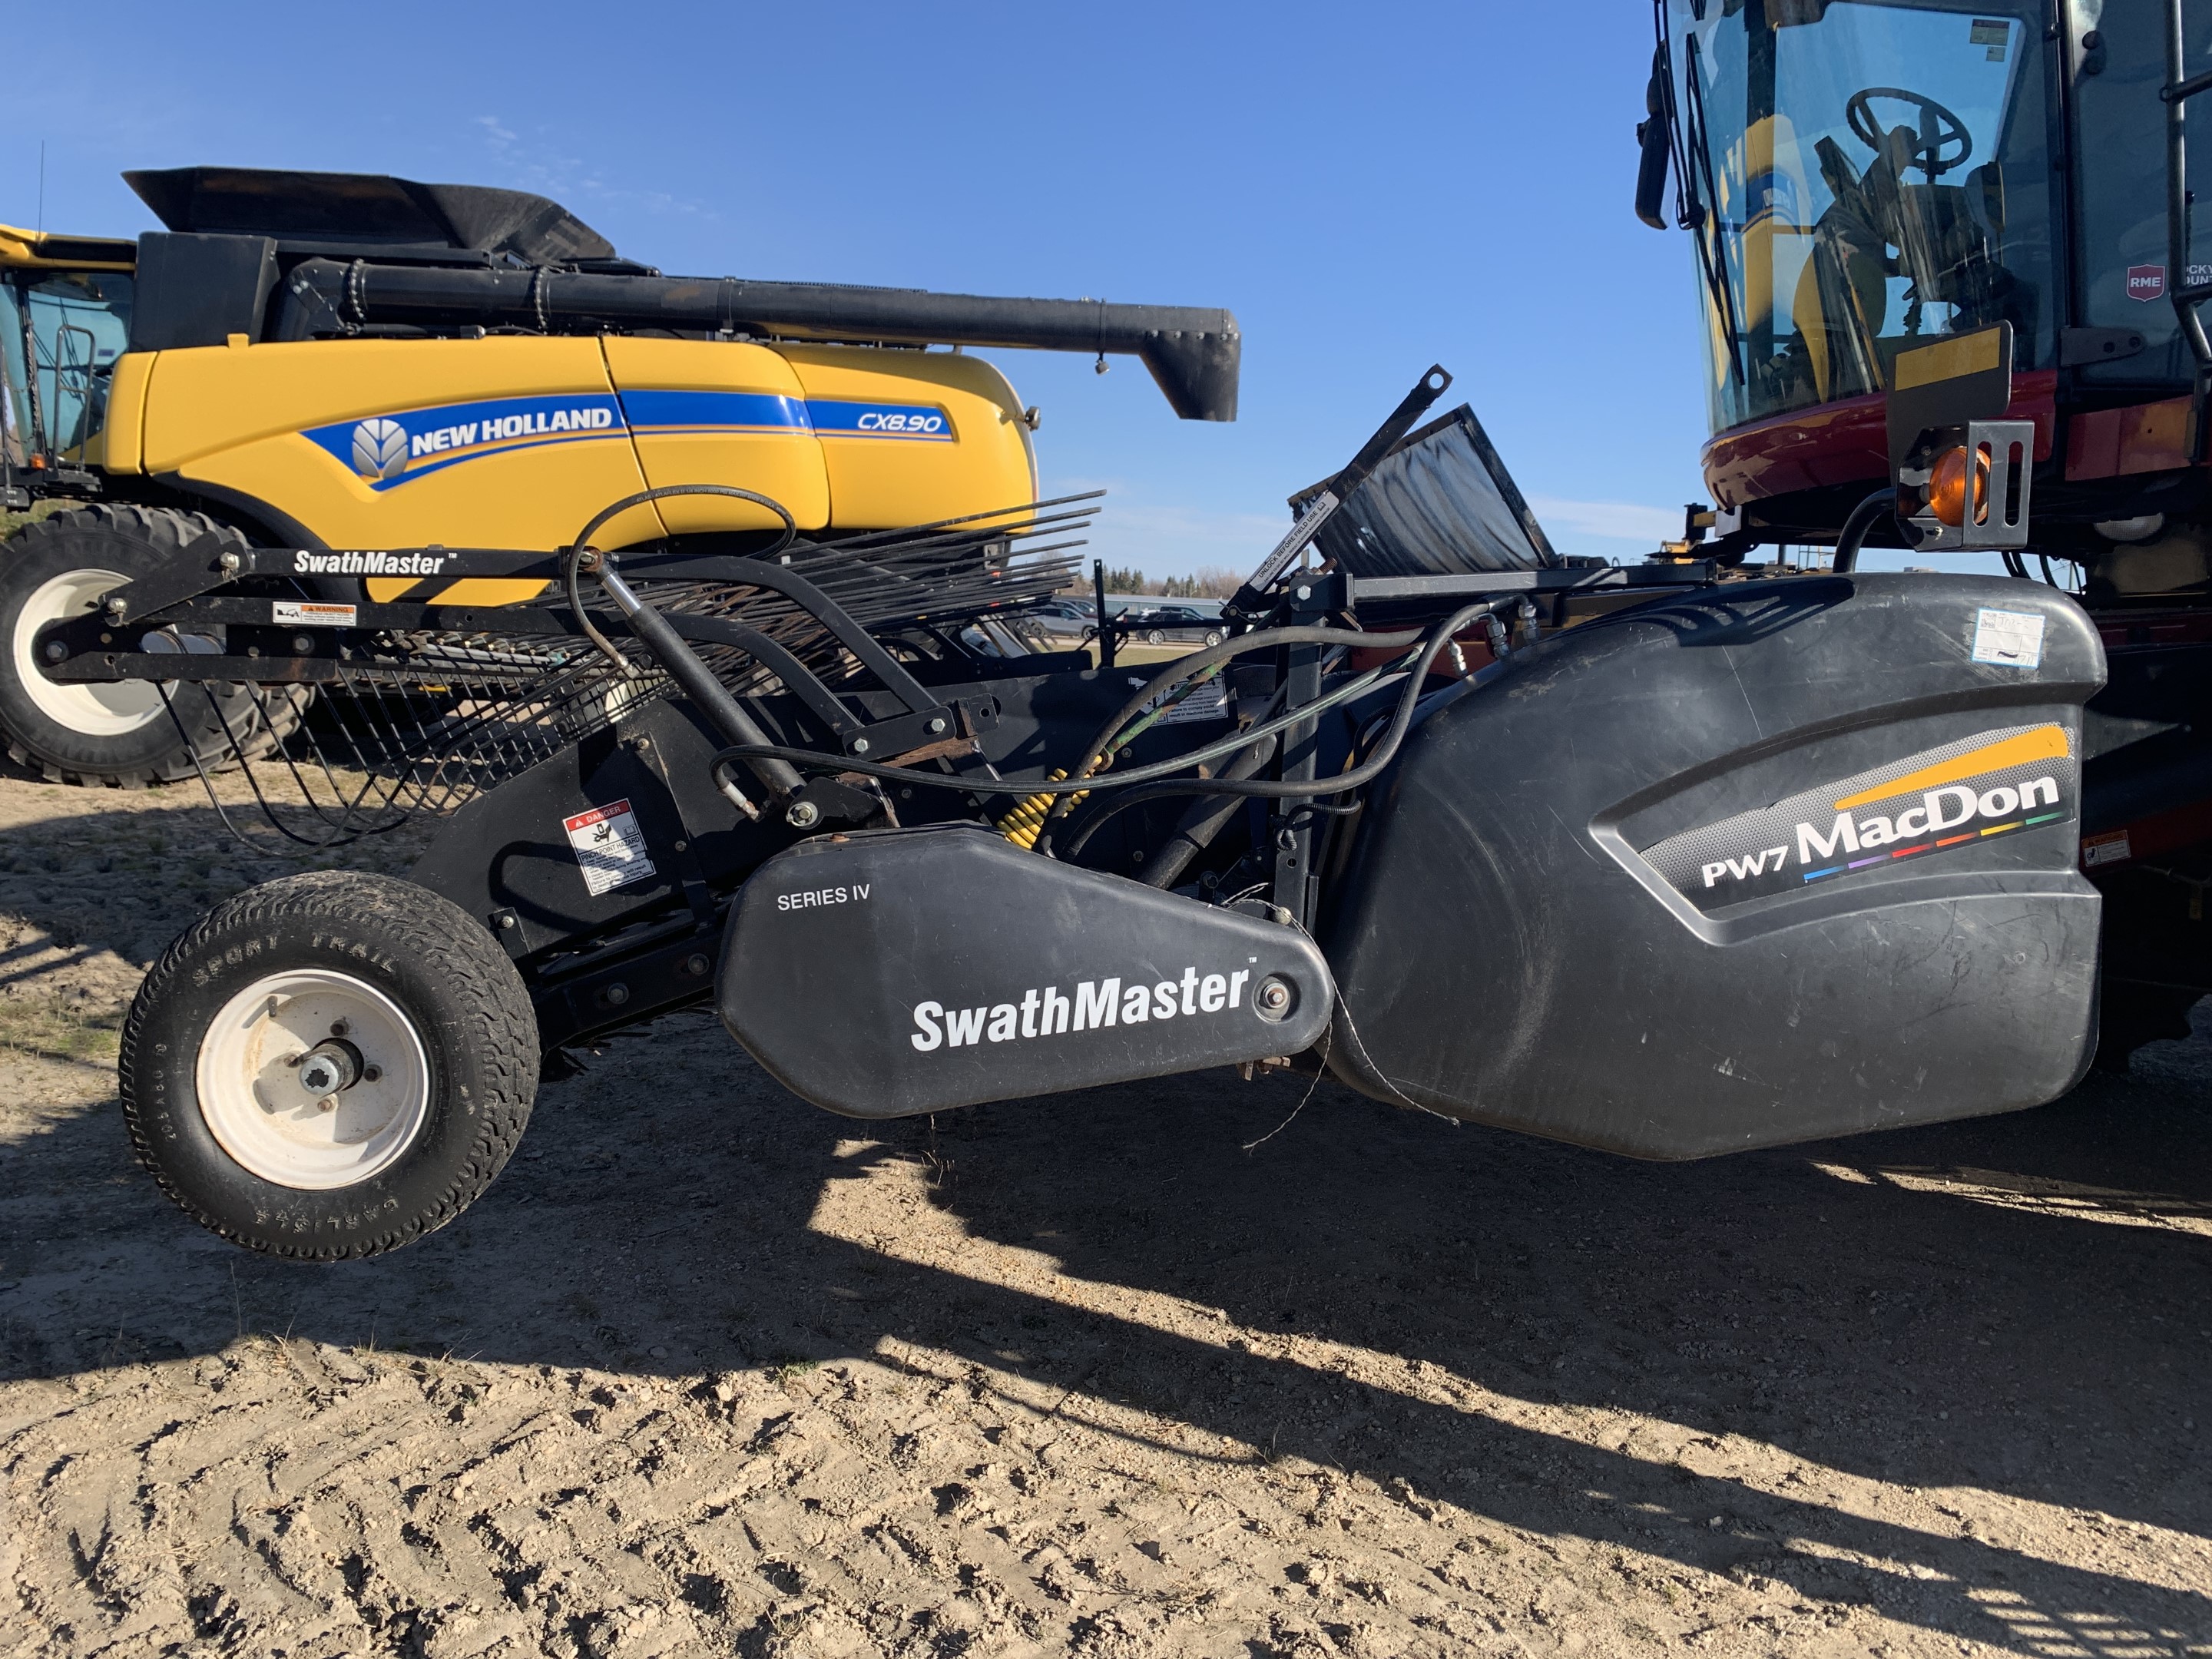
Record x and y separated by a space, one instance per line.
1211 581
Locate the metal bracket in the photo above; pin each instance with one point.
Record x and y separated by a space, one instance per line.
2001 517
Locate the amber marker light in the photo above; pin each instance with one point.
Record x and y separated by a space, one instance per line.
1946 488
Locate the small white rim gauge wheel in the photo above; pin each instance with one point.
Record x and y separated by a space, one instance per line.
312 1079
1153 636
112 710
329 1065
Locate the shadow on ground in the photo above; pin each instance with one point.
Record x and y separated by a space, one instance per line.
2014 1305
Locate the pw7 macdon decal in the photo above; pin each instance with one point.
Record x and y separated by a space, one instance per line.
1996 783
386 451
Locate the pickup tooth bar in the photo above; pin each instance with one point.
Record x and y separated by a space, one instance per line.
418 721
931 578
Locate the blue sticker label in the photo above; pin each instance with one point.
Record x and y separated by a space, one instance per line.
385 451
757 411
714 411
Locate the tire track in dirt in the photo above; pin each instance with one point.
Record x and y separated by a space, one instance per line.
707 1373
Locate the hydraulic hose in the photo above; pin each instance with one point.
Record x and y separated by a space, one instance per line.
651 628
1291 788
698 682
1203 822
572 556
1853 535
1355 687
1183 667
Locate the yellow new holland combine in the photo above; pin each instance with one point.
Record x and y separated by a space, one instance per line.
318 361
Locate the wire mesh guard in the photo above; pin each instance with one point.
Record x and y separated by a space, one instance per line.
429 721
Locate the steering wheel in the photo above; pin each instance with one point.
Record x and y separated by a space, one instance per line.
1937 130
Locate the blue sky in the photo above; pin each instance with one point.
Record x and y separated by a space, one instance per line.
1369 190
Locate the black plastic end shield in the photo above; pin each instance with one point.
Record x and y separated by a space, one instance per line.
1759 864
915 970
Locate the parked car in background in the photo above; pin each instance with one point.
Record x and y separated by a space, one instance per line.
1063 618
1160 624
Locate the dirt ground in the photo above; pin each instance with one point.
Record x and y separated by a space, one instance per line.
710 1372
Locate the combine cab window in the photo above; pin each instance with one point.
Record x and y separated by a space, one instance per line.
1872 176
64 331
14 396
2121 174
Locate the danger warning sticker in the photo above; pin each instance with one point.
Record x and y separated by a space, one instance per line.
610 847
289 613
2110 847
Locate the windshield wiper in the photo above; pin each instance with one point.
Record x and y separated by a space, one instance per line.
1695 168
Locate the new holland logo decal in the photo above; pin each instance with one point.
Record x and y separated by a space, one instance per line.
386 451
1964 794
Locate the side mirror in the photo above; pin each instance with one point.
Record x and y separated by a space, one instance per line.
1653 135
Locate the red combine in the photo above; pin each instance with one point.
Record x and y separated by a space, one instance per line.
1933 238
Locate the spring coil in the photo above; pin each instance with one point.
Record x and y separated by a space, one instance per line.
1023 825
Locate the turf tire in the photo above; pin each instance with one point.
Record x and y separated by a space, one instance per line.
441 968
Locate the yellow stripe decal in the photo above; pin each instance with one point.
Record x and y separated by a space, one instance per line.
1970 354
2043 743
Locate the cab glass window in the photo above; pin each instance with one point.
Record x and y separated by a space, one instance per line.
79 324
2120 178
1871 176
15 384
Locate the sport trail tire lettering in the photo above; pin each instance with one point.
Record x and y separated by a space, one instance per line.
454 1011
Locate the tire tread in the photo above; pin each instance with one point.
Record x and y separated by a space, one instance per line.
286 707
478 974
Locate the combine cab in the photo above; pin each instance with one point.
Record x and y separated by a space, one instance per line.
1950 279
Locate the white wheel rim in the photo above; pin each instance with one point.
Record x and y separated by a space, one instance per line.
254 1104
95 711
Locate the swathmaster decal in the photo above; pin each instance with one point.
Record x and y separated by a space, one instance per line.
1998 783
386 451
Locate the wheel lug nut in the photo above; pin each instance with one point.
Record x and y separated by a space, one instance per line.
339 1028
371 1073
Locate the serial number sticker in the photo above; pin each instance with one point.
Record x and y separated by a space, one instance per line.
2110 847
2012 638
300 613
1209 702
610 847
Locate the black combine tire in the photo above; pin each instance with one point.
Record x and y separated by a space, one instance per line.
118 733
329 1065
